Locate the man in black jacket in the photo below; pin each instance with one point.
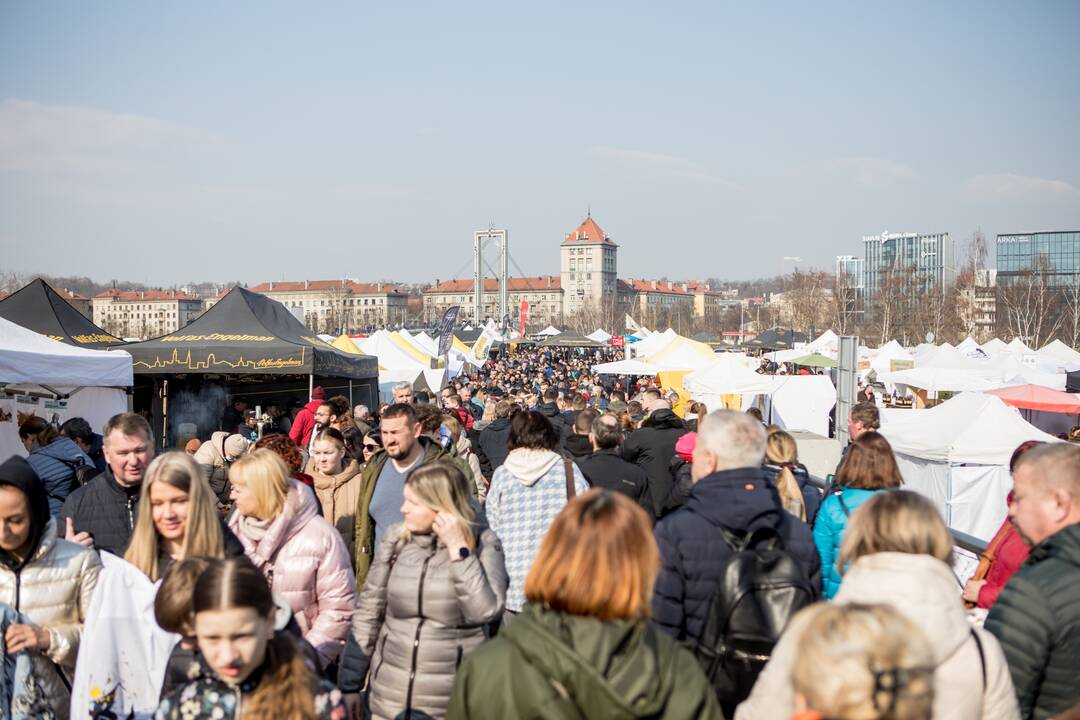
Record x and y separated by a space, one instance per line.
730 491
606 469
549 408
578 444
101 514
493 438
1037 616
652 447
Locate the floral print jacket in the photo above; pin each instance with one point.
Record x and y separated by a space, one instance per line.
209 697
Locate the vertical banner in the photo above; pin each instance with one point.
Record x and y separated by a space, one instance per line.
505 325
524 316
446 329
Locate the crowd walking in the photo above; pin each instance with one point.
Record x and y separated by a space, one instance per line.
532 541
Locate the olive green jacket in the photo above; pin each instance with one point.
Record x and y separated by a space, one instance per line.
365 529
551 665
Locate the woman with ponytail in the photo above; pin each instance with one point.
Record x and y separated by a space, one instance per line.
791 478
256 674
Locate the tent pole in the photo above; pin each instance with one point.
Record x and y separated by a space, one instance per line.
350 392
310 385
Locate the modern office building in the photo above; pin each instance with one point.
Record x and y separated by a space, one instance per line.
1057 254
929 258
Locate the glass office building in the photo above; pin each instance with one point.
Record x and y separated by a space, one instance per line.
1055 253
930 258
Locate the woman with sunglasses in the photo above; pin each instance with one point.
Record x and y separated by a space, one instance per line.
371 445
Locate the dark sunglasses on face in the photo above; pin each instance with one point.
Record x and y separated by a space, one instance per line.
370 447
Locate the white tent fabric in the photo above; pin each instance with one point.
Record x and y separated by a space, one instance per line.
881 362
957 454
1058 352
994 346
398 363
1017 346
654 343
599 336
27 357
626 367
937 380
969 428
727 376
828 340
549 330
967 344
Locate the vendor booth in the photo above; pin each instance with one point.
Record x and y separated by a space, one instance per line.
39 308
246 345
957 454
43 377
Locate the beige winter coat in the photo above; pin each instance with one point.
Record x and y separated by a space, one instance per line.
926 592
465 451
338 496
54 591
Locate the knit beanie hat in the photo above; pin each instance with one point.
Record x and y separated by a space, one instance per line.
317 393
684 448
235 446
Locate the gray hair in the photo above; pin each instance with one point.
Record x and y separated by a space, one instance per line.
736 439
363 411
403 385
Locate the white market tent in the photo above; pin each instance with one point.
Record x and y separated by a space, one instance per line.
626 367
882 361
401 361
91 382
549 331
1017 346
599 336
957 454
1060 353
994 346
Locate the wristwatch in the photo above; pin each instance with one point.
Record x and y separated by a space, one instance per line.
463 552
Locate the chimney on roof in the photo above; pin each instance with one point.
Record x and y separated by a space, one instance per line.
305 284
142 294
686 287
378 287
549 280
271 285
653 284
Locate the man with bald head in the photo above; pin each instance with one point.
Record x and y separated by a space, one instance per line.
653 446
1037 616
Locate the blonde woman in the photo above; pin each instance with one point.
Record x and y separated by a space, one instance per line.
436 580
897 551
298 551
463 449
337 483
863 662
177 518
792 480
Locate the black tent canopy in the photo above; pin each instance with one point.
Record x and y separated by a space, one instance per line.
38 307
571 340
777 339
246 333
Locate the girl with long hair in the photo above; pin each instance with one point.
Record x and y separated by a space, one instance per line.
436 581
790 477
584 646
256 673
177 518
337 483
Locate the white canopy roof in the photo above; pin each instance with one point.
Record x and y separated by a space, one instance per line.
828 340
728 375
549 330
994 346
935 379
29 358
599 336
1060 352
969 428
626 367
1017 346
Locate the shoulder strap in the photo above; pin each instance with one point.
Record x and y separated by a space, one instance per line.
982 656
843 505
569 467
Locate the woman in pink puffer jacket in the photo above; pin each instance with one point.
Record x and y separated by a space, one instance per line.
300 553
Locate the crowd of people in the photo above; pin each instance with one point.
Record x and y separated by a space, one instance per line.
533 541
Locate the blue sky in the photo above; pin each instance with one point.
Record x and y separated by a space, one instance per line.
264 141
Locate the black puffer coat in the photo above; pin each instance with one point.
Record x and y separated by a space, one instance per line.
652 447
557 420
493 442
104 509
1037 621
605 469
693 552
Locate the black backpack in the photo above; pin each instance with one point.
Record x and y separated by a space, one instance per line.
81 473
761 587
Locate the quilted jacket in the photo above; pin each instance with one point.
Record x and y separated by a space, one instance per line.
306 562
421 613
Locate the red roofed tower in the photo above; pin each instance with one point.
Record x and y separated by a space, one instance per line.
588 266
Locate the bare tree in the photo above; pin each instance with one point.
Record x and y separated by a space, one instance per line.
1028 306
1070 303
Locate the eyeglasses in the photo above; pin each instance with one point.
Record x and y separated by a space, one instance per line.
371 448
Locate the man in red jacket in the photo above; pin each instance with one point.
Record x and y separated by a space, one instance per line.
304 424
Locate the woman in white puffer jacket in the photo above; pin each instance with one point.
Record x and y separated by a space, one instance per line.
46 580
897 551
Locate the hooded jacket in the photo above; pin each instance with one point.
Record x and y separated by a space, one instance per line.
924 590
55 465
493 441
365 528
550 665
305 560
301 428
693 553
578 446
811 495
211 458
1037 620
337 496
464 452
526 494
52 586
418 615
105 509
652 447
